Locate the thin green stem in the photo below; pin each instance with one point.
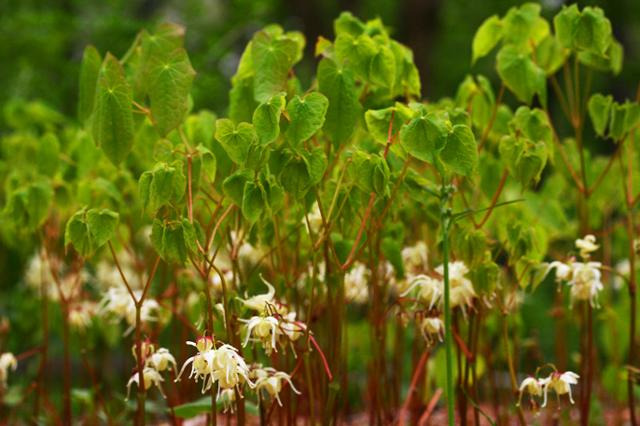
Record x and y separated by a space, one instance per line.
448 338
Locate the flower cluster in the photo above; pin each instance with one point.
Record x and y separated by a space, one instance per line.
560 383
222 365
118 303
584 278
155 362
272 324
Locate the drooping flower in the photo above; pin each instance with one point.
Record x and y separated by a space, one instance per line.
429 289
586 282
222 365
263 329
563 271
530 385
461 292
587 245
80 314
118 302
415 259
560 383
162 359
262 303
7 362
271 381
432 328
150 376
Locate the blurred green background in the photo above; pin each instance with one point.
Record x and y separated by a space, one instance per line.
41 42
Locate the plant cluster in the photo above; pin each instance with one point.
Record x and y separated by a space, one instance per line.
353 201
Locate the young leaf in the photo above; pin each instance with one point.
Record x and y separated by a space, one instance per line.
623 118
113 116
266 119
272 58
424 137
252 202
89 70
307 116
28 207
487 37
599 107
523 77
460 153
170 78
88 230
235 140
344 110
174 240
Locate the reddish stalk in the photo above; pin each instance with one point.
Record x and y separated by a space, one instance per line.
412 387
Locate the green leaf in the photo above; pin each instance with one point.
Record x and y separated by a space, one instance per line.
28 207
524 158
424 137
487 37
378 121
521 75
47 154
592 31
460 153
233 185
564 24
162 185
316 162
113 116
346 23
599 109
523 25
407 77
89 69
273 57
266 119
235 140
88 230
307 115
102 226
295 177
344 110
252 202
370 172
550 55
382 70
356 53
170 78
174 240
623 118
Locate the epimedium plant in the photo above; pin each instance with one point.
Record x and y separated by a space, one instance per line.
347 198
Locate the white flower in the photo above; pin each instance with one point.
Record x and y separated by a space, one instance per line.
530 385
223 365
161 360
263 329
228 399
586 282
271 380
415 258
462 292
292 329
7 361
262 303
563 271
80 314
315 219
432 327
587 245
560 383
118 302
356 288
150 376
229 368
430 289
